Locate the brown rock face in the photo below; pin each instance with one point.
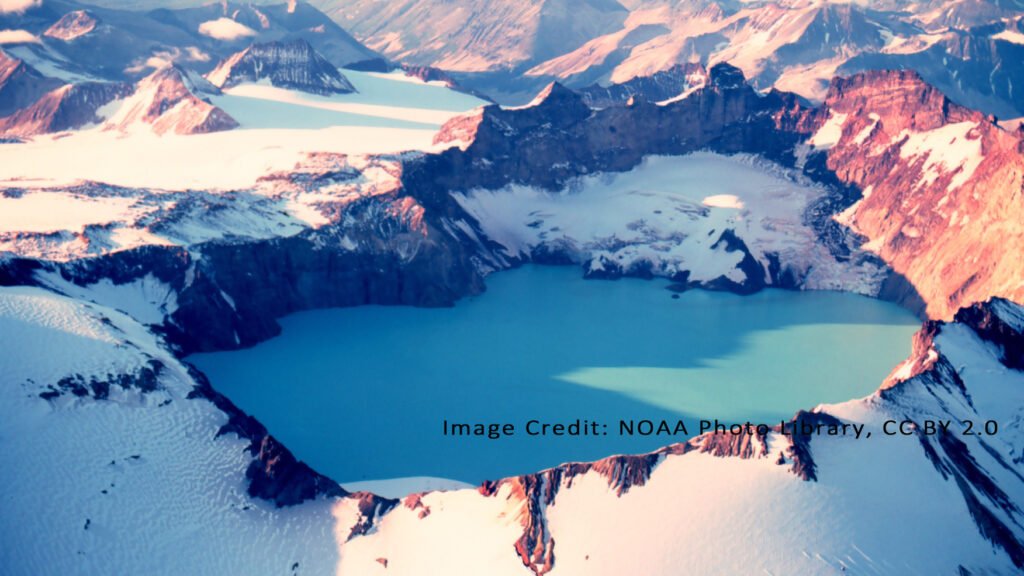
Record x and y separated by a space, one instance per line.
942 187
66 108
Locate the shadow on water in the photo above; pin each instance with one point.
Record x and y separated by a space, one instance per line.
362 393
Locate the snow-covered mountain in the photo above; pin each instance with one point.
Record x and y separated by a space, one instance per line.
293 65
20 84
68 107
477 35
969 48
169 100
68 40
149 214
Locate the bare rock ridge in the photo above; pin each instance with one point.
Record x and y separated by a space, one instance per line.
274 474
292 65
663 85
560 137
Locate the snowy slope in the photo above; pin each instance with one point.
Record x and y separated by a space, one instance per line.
134 483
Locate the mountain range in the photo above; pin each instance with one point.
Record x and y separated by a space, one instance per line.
177 180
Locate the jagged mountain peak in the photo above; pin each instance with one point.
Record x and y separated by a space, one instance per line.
560 104
168 101
663 86
293 64
554 92
72 25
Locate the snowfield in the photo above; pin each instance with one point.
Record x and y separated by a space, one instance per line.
671 212
39 212
390 113
135 483
94 219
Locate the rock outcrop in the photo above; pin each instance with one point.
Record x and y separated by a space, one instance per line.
674 83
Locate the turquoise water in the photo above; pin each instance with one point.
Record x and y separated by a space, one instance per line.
362 393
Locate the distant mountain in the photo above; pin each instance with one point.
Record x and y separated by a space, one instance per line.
800 45
293 65
475 35
74 24
115 44
240 24
170 100
972 49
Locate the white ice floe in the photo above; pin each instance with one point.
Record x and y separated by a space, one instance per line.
399 487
